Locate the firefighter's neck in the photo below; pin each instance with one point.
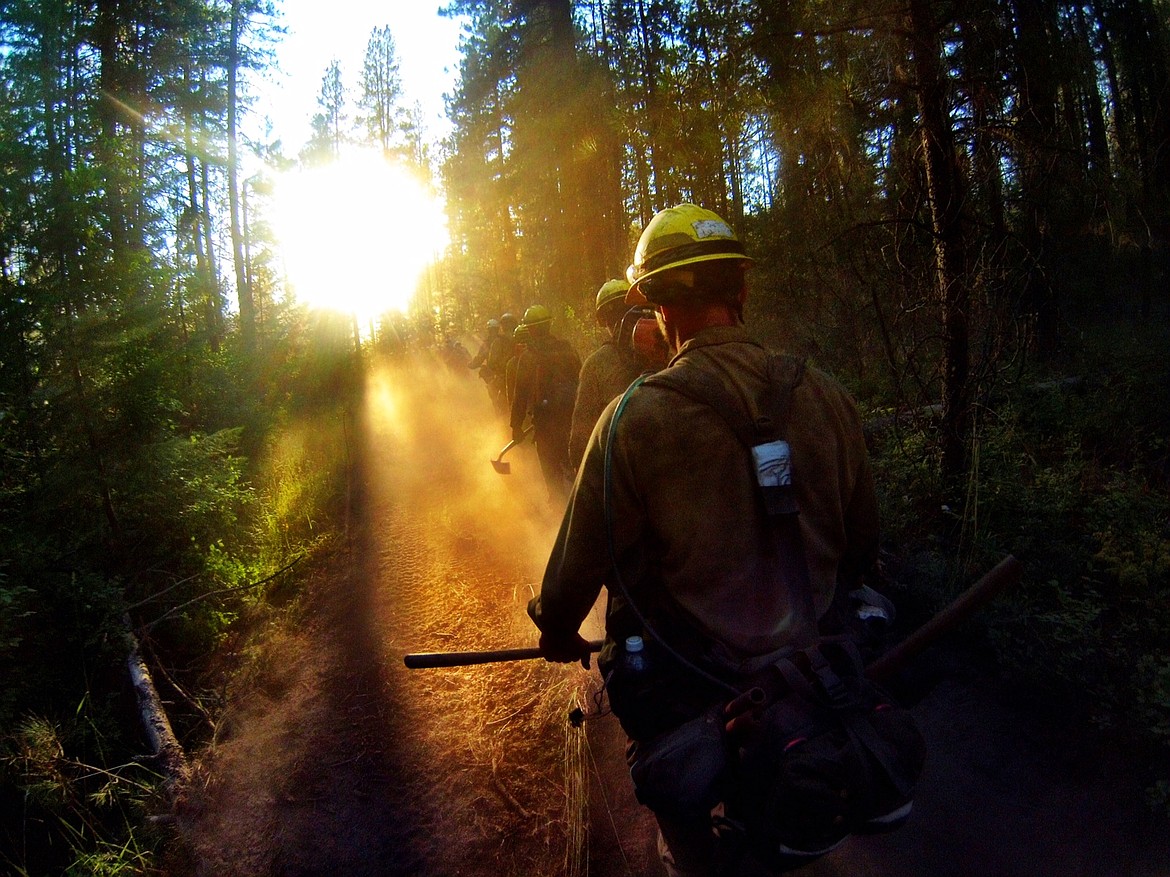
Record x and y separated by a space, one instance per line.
682 322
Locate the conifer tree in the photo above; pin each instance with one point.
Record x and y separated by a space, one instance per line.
381 88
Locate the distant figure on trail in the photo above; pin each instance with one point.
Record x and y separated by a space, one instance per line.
454 354
502 349
546 387
668 489
508 324
519 345
608 370
491 331
493 379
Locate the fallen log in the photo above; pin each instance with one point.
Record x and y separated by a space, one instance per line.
165 746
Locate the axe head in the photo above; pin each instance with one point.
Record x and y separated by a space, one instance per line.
502 466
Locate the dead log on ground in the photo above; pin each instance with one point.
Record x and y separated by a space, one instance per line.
165 747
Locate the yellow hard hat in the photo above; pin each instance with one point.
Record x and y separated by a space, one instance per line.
679 236
536 315
611 291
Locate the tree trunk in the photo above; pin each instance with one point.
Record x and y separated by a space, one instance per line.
1094 110
214 296
1037 158
243 287
945 195
106 27
657 147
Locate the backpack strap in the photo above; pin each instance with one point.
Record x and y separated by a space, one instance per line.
760 423
758 419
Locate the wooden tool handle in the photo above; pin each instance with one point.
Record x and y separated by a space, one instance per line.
427 660
1004 574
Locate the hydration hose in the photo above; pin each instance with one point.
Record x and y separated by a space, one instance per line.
607 503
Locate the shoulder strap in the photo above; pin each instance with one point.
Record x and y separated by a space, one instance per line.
615 568
765 418
761 428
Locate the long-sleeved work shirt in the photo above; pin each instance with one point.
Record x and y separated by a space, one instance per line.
546 382
685 511
606 373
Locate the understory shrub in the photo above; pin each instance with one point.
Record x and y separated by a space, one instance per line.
1068 477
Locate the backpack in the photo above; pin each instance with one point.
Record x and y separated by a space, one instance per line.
810 751
558 368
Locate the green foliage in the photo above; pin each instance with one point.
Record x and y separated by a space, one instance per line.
15 609
300 484
94 811
191 488
205 530
1070 477
135 418
906 469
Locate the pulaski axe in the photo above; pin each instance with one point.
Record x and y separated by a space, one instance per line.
1004 574
498 463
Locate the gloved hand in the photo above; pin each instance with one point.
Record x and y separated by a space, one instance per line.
565 648
518 434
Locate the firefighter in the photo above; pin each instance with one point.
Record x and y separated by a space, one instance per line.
669 493
490 370
607 371
546 386
519 345
503 348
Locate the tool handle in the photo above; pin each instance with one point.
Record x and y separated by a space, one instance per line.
428 660
1004 574
512 444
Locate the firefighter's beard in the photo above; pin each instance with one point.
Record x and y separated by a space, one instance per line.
671 346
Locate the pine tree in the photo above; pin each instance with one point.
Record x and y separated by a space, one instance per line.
381 89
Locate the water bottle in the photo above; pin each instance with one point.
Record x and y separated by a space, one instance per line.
631 692
634 661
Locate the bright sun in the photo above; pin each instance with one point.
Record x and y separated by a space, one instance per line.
357 234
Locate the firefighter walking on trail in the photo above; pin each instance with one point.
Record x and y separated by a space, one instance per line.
607 371
668 492
489 370
546 386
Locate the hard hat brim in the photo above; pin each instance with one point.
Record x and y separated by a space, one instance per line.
635 297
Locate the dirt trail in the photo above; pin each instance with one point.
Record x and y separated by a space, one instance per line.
338 760
341 761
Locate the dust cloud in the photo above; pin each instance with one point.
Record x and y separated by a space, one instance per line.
339 759
498 773
436 435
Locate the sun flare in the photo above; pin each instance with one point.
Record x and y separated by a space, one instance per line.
357 234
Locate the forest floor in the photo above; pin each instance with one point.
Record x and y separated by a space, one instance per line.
333 758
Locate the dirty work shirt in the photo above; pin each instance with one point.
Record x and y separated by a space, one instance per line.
501 350
546 384
546 381
606 373
686 513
